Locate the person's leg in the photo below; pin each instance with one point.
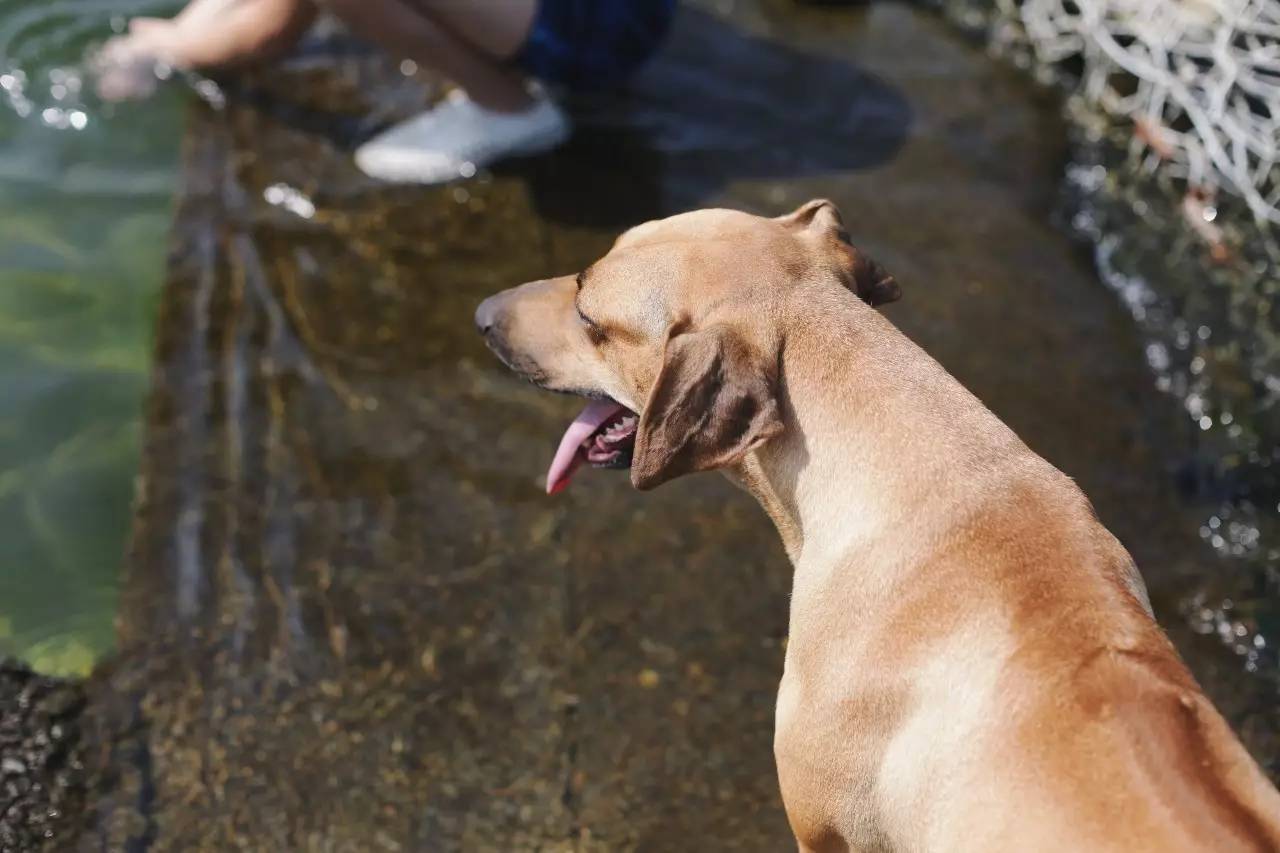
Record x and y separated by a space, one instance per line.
493 115
225 33
496 28
467 41
207 33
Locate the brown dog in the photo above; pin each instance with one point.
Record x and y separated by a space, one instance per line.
972 661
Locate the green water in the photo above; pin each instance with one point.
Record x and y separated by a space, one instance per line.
84 215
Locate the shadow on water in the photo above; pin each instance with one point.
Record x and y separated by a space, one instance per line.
721 106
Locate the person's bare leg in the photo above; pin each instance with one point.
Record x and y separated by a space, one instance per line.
206 34
467 41
225 33
496 28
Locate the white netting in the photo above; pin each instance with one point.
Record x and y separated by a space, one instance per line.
1200 79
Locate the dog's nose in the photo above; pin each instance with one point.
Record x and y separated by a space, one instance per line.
487 314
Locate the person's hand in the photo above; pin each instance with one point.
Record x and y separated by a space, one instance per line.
129 66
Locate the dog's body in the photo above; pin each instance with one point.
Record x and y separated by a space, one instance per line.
972 663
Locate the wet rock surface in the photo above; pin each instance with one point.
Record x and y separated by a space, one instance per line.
42 774
353 621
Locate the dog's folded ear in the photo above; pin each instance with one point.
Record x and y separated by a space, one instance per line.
865 277
713 402
871 282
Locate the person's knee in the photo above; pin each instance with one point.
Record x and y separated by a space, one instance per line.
276 25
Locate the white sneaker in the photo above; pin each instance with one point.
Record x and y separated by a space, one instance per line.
458 136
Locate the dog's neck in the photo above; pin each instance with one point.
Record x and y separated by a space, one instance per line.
870 422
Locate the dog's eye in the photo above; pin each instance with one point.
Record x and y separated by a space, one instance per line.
596 333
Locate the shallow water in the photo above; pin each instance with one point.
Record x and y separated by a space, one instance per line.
1208 321
1210 332
84 207
343 540
350 613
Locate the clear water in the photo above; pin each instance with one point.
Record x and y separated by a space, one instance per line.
362 475
84 211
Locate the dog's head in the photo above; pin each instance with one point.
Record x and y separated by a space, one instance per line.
679 323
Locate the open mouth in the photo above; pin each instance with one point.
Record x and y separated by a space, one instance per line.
603 435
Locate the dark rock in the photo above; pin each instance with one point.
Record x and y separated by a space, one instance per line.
43 777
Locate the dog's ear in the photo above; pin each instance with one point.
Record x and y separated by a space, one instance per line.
713 402
866 278
871 282
817 213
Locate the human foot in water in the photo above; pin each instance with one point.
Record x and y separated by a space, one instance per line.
130 65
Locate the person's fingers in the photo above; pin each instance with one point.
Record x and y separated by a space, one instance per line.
121 50
143 26
125 66
125 83
159 39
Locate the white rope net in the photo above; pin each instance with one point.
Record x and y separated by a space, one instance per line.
1199 79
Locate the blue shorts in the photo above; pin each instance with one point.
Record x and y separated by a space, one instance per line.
589 44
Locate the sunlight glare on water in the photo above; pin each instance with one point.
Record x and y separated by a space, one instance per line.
1211 348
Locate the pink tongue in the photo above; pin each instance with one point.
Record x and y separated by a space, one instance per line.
569 455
